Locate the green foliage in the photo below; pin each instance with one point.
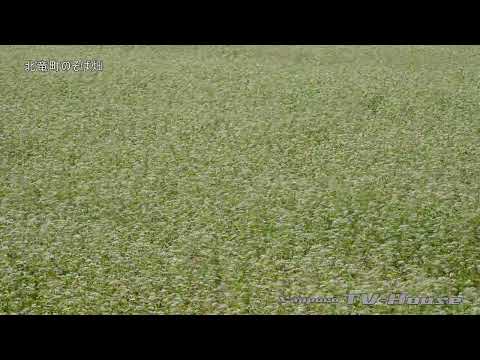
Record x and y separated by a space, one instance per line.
214 179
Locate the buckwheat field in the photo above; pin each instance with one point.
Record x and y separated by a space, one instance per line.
218 179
